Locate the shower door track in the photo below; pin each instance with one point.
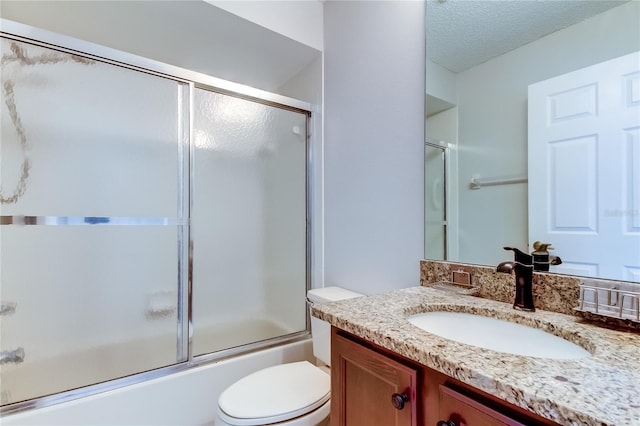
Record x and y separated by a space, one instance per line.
190 80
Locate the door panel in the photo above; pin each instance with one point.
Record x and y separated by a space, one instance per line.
584 161
89 166
248 221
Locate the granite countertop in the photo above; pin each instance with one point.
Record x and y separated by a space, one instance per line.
603 389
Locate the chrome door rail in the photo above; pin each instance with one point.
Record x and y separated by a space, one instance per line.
22 220
185 123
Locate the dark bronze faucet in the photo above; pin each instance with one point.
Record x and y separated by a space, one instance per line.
523 267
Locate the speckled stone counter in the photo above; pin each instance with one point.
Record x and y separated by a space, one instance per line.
603 389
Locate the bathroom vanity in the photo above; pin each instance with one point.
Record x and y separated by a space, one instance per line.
374 386
385 370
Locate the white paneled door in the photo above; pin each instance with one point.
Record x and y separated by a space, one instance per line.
584 168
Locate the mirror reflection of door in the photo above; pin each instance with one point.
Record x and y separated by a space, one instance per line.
584 168
435 200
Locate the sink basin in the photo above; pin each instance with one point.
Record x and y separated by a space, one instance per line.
497 335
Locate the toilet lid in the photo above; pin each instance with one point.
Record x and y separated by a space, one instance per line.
275 394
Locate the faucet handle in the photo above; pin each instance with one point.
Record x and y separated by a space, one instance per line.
539 246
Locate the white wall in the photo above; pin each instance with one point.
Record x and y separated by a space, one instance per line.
492 102
299 20
308 85
374 137
440 82
190 34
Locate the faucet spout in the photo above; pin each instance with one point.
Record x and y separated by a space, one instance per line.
506 267
522 265
520 256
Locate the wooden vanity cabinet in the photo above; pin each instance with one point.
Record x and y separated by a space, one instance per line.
372 386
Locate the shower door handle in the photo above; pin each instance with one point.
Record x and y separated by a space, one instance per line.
15 356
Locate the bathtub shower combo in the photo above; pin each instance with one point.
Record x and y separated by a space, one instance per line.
152 219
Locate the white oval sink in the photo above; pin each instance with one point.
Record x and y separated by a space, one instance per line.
497 335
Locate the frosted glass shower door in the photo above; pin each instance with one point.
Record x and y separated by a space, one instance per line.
90 221
248 222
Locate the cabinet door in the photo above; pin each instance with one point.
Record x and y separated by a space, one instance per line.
369 388
460 410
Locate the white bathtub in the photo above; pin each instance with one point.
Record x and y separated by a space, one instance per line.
50 375
184 398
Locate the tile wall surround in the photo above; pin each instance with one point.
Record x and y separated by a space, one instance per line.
552 292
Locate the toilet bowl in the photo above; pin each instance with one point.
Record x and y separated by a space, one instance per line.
292 394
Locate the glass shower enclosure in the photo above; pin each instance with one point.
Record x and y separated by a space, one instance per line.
149 221
435 200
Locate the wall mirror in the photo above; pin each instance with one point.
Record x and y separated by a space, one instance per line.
482 56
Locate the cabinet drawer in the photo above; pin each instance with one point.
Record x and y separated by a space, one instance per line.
465 411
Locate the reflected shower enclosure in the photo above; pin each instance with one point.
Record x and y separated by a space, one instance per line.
435 201
146 221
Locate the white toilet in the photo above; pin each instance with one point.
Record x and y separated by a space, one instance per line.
293 394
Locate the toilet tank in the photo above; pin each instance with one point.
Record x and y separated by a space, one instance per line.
321 330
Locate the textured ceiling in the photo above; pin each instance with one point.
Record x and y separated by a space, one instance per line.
465 33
